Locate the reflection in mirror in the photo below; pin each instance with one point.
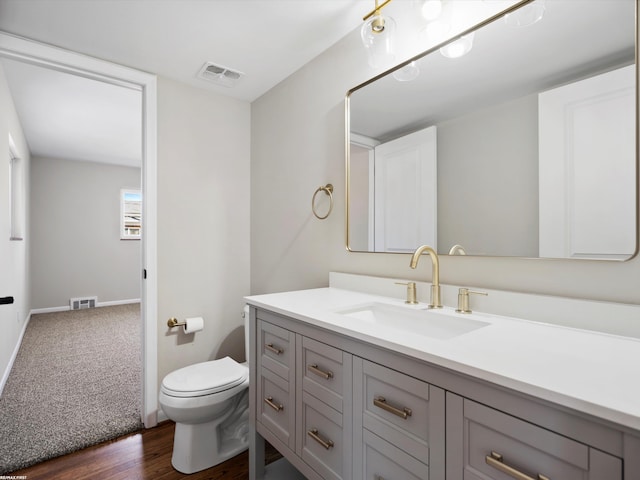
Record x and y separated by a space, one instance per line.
524 146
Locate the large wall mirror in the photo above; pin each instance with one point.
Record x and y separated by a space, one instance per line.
524 146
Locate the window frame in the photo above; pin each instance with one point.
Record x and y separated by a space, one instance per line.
16 194
124 212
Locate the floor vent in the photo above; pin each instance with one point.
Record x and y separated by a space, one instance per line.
82 303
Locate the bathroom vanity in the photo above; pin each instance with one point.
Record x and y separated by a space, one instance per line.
350 385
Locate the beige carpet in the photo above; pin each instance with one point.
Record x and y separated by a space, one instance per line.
76 381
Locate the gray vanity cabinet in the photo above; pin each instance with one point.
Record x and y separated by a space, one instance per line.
324 380
484 443
303 400
399 425
338 416
276 382
341 409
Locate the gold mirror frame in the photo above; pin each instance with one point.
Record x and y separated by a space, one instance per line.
434 50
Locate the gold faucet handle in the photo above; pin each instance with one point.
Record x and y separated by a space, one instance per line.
463 299
411 292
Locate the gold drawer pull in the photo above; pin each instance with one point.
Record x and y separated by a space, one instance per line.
382 403
313 433
276 350
496 461
314 369
275 406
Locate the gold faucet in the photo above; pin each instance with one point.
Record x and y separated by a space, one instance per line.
435 275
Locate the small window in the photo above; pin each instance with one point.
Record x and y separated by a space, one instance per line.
16 193
130 214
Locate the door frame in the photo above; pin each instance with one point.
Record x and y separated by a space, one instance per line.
36 53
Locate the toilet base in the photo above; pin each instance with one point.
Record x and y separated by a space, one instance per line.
200 446
191 455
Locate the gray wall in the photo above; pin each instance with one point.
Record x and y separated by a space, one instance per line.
488 180
76 249
359 211
298 144
203 223
14 259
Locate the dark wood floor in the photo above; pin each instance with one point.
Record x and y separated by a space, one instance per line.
144 455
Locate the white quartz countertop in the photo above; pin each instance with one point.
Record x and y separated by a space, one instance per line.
594 373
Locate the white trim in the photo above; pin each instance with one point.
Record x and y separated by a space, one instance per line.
36 53
17 193
98 305
123 193
362 141
5 375
118 302
36 311
149 304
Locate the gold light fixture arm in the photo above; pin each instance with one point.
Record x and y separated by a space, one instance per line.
376 11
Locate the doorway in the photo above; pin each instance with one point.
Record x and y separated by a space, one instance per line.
34 53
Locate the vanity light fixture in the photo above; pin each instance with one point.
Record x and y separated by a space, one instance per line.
377 35
431 9
458 48
407 73
446 19
527 15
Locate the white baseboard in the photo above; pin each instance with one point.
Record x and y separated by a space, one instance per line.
99 304
118 302
49 310
5 375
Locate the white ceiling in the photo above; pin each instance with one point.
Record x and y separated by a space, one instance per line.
72 117
69 117
266 39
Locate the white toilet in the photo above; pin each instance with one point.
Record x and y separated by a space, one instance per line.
209 402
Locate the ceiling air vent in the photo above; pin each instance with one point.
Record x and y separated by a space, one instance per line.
220 75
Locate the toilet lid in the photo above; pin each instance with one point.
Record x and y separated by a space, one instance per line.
205 378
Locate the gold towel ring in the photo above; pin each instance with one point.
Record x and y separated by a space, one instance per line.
328 189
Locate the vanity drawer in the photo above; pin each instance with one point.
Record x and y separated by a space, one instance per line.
275 348
323 372
276 406
322 441
494 443
397 408
383 461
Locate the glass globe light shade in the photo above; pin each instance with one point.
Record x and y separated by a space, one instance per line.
431 9
436 32
377 35
407 73
527 15
460 47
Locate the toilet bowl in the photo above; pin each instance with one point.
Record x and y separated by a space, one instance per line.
209 402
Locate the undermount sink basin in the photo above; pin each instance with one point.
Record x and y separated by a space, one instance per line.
440 325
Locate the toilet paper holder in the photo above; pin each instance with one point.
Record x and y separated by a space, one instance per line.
173 322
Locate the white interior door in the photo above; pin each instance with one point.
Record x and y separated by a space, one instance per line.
588 168
406 193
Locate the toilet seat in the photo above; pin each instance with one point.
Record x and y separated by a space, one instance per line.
204 378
